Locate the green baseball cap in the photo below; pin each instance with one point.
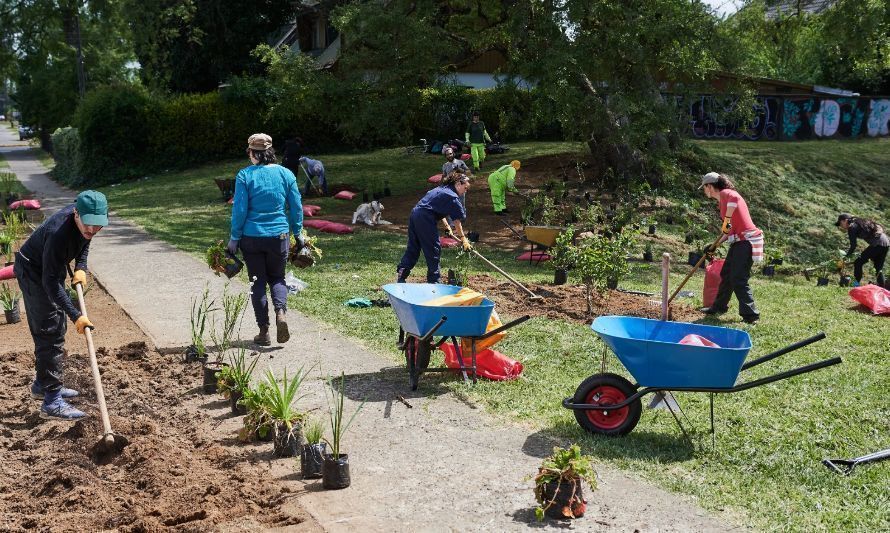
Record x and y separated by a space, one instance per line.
92 208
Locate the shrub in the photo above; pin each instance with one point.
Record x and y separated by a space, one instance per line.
66 152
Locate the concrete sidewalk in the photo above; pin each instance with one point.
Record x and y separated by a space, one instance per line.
443 465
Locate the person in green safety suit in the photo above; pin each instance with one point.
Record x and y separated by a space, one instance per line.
476 136
500 181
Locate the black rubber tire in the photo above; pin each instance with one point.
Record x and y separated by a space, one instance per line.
411 361
612 383
424 350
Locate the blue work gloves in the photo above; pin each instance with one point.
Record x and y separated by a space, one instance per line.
232 247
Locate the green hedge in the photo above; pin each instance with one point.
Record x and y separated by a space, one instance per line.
66 152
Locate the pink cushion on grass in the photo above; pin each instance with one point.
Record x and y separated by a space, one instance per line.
448 242
533 256
327 226
6 272
310 210
25 204
465 157
435 178
344 195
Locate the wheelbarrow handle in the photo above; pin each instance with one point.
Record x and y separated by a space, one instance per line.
506 326
783 351
429 334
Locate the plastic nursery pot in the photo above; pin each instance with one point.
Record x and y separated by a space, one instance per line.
669 219
693 258
769 271
844 281
647 256
14 315
454 279
473 236
233 269
563 494
234 396
191 355
689 238
652 229
612 283
821 282
287 443
335 472
560 276
264 433
776 261
210 379
312 459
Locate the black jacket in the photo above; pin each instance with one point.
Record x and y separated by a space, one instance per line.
48 252
856 231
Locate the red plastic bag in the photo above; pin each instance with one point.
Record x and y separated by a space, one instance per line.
6 272
712 282
435 178
533 256
873 297
697 340
25 204
490 364
344 195
310 210
448 242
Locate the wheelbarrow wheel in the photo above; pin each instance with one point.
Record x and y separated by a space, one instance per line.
607 389
417 357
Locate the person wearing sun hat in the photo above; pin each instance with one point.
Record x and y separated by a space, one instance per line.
40 268
500 181
745 247
266 205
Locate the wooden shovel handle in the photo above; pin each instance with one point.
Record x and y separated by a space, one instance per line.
691 272
94 366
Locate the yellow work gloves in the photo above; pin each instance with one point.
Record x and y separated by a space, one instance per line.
466 243
82 324
79 277
727 225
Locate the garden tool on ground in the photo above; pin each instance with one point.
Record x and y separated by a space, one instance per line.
846 466
691 272
110 444
311 181
531 295
509 227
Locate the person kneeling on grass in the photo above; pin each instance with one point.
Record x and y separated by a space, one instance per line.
423 235
266 204
40 270
745 248
500 181
878 244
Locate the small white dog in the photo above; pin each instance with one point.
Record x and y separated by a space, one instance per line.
369 214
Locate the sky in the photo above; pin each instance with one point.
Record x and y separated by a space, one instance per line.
724 7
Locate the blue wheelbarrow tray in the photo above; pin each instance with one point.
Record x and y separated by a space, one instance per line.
417 318
652 353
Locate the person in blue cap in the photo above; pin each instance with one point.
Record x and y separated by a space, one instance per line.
40 268
423 235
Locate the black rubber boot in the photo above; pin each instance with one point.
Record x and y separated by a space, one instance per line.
262 337
282 334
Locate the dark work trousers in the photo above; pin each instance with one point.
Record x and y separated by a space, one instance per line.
422 236
734 278
47 323
266 258
877 255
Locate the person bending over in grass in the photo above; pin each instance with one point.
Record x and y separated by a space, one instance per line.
423 235
499 182
876 251
40 270
745 247
266 204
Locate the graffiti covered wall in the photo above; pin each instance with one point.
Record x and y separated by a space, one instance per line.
789 118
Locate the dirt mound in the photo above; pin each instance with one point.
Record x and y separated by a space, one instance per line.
173 473
567 302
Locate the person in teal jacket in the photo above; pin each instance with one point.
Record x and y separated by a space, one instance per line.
476 136
266 205
500 181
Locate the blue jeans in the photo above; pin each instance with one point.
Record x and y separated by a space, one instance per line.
266 258
48 325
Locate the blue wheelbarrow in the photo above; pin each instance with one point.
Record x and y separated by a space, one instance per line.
419 322
609 404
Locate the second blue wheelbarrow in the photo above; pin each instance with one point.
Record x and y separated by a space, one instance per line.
419 322
608 404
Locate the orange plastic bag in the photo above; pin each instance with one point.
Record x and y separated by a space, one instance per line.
489 363
712 282
873 297
493 323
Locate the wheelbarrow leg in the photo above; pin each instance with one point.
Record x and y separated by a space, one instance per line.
677 419
713 431
473 350
460 358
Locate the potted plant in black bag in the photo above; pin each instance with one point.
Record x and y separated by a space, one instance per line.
236 378
558 484
9 301
222 261
202 309
280 405
313 451
258 425
647 252
335 470
563 255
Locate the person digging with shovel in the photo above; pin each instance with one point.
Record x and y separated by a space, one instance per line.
40 270
876 251
266 205
423 234
314 169
745 248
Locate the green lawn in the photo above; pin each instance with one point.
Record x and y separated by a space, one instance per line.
770 440
3 163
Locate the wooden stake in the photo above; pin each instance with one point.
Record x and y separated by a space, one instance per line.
665 271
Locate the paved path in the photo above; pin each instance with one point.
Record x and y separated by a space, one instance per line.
443 465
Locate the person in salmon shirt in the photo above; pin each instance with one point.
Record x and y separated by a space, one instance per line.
745 248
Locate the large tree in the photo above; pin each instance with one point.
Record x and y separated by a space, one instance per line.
194 45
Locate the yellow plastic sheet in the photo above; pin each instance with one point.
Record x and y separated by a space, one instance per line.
463 297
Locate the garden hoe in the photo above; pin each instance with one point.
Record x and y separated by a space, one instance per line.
846 466
110 444
311 181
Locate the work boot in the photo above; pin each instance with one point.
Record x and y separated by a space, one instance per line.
281 326
59 409
262 338
38 394
712 310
